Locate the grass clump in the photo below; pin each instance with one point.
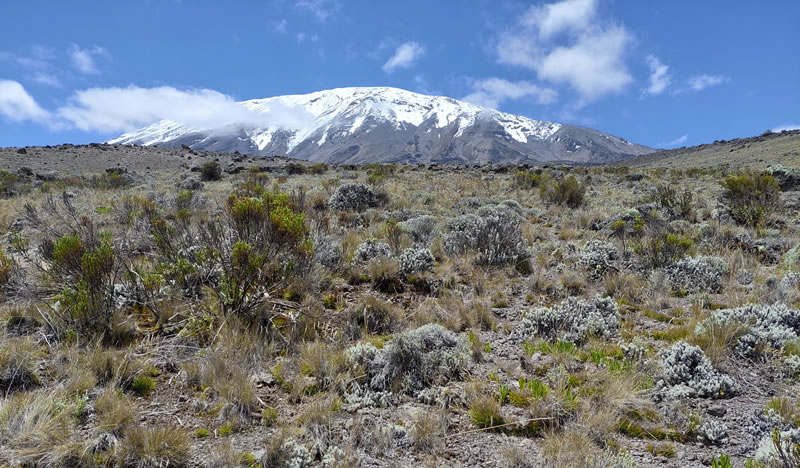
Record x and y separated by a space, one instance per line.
143 385
115 412
154 446
485 412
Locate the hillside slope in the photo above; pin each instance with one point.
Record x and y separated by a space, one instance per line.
756 152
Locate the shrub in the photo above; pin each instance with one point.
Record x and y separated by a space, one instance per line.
353 197
699 274
78 261
286 451
328 251
413 360
258 248
661 249
414 261
598 257
687 372
494 232
751 197
573 320
421 228
714 432
770 324
369 250
211 171
527 179
566 191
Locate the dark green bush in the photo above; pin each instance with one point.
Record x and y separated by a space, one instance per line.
663 248
211 171
752 198
565 191
527 179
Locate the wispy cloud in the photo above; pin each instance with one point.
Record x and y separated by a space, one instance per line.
786 126
404 57
671 144
494 91
701 82
17 105
568 42
281 26
322 10
659 76
83 60
47 79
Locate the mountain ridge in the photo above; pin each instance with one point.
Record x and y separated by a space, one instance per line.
382 124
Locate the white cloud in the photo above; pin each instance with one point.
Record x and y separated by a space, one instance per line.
404 56
280 26
659 76
493 91
47 79
83 59
554 18
115 110
110 110
700 82
566 42
786 126
17 105
322 10
678 141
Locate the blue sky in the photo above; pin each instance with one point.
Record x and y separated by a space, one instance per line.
658 73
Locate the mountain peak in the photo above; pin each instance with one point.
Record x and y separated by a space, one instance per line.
383 124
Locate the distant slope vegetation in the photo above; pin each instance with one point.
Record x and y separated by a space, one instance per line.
754 152
365 125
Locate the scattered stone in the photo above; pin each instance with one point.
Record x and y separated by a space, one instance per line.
47 176
191 184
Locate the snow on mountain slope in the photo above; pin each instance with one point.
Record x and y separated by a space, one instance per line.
390 124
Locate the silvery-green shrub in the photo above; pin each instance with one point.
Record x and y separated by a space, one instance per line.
687 372
413 360
414 261
371 249
353 197
573 320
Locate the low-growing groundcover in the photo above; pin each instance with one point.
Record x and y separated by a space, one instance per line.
284 314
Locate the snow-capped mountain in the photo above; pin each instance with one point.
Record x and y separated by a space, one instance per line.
357 125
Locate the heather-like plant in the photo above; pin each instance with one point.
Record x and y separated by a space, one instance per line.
698 274
770 324
414 261
371 249
687 372
598 257
494 232
353 197
573 320
421 228
413 360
